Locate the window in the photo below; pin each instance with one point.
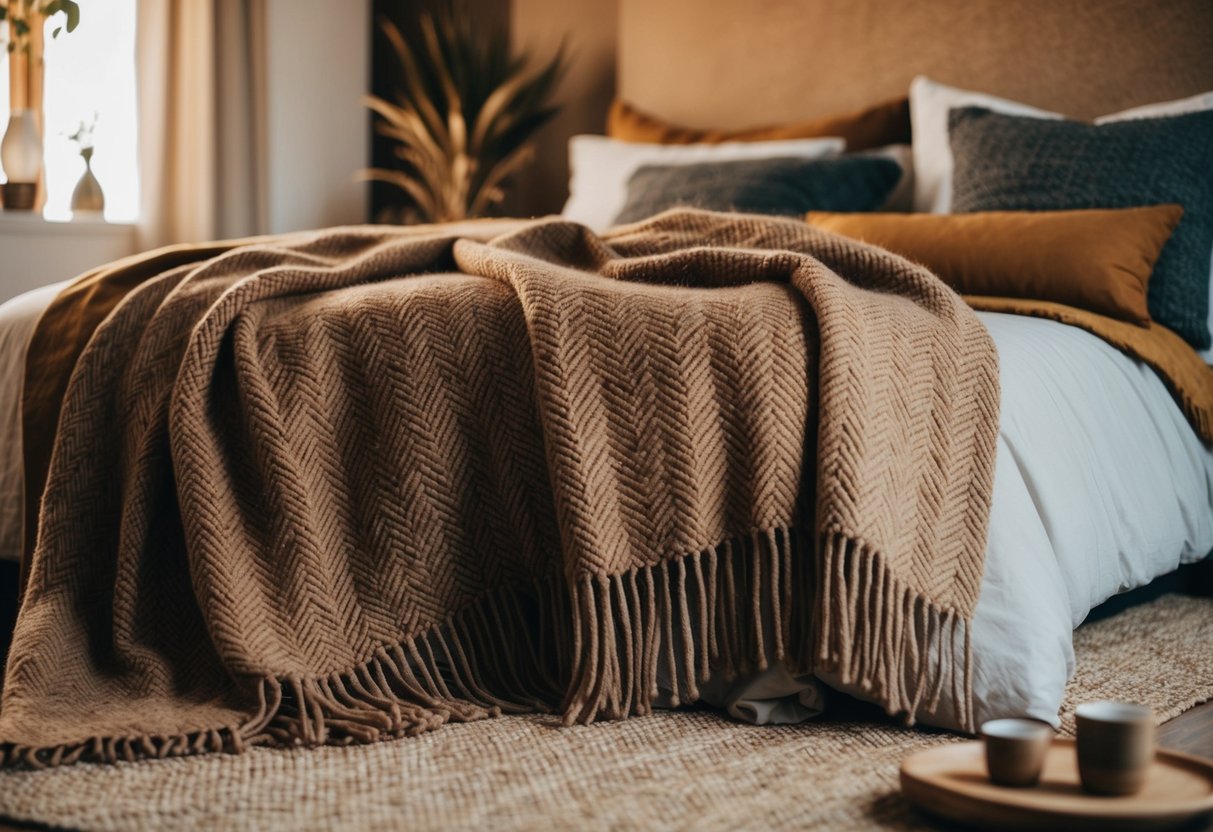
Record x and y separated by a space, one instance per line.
3 91
90 72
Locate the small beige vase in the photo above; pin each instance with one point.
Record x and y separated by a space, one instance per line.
88 198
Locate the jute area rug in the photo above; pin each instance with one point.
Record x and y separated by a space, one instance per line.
678 770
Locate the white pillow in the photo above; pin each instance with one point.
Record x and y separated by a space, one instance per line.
601 167
929 105
1192 104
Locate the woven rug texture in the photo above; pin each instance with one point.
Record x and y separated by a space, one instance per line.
672 770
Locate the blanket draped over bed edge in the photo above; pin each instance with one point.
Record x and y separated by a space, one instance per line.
353 484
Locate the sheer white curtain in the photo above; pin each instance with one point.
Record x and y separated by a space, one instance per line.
201 77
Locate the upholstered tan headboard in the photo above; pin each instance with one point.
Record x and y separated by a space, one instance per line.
740 63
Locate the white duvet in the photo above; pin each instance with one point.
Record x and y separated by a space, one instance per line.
1100 486
17 319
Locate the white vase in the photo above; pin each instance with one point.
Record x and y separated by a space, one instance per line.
21 155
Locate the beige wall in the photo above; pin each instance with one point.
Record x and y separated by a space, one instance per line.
590 26
317 71
731 64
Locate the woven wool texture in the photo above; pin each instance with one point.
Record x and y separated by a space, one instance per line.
352 485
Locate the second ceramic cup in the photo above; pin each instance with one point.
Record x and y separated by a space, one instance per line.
1115 746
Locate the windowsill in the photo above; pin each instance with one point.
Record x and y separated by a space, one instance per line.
27 222
35 251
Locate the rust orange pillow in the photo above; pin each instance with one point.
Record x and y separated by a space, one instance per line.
877 126
1098 260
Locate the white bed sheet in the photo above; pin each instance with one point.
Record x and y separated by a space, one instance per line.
18 317
1100 486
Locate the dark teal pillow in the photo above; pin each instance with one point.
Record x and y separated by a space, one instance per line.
1012 163
782 186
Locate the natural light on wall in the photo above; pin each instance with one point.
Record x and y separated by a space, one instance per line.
90 73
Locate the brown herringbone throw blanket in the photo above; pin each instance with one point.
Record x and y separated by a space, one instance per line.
357 483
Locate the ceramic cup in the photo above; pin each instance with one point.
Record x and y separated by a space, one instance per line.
1115 746
1016 750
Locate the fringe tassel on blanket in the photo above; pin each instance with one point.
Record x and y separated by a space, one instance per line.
610 645
501 654
727 610
892 643
732 608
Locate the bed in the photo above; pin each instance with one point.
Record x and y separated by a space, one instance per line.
1101 483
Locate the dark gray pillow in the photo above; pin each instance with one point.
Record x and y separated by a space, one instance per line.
1017 163
782 186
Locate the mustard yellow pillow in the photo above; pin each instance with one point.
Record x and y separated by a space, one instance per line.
877 126
1097 260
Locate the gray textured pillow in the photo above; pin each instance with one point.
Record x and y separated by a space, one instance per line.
781 186
1007 162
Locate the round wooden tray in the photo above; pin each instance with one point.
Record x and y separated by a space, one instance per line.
950 781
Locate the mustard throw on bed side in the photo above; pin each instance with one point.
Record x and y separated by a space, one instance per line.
355 484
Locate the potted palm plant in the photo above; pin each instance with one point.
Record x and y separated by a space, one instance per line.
464 119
